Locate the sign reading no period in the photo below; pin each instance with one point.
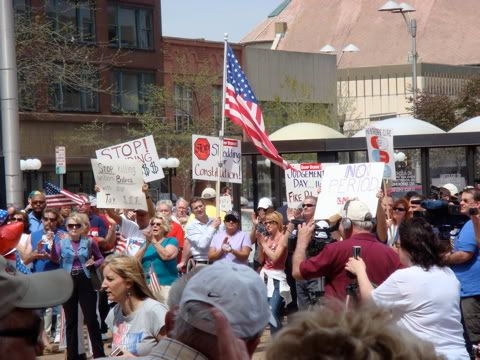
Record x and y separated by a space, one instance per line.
205 157
341 183
142 150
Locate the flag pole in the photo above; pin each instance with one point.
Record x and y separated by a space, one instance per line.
222 127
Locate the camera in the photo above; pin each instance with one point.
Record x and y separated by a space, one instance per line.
321 237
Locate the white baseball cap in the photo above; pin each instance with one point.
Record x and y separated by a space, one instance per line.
451 188
209 193
33 291
234 289
264 203
357 210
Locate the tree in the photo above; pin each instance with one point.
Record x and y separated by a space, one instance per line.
468 100
436 109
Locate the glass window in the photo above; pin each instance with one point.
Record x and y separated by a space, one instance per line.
69 98
183 107
75 19
130 27
129 90
448 165
21 7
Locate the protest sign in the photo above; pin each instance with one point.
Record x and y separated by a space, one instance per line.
380 149
142 150
406 180
226 203
304 181
120 183
341 183
205 157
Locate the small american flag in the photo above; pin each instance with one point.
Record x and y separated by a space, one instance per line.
154 284
242 108
57 197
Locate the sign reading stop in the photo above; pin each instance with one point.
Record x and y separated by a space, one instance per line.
201 148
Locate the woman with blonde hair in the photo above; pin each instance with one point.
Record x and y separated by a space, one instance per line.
79 255
272 253
137 320
158 255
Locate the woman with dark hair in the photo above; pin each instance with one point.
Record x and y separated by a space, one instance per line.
398 213
424 297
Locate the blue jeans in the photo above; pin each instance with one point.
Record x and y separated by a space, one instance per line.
276 305
309 293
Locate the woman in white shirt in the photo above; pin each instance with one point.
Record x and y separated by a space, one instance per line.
423 297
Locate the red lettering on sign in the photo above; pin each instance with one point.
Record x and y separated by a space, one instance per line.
201 148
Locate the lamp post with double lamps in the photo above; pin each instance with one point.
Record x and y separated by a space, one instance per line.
170 165
404 9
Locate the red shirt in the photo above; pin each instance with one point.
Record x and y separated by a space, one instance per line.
177 232
380 259
280 263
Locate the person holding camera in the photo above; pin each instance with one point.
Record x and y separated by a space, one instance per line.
356 229
465 263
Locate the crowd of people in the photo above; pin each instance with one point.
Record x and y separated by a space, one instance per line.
183 281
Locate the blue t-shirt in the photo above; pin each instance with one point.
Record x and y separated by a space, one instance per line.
166 271
468 273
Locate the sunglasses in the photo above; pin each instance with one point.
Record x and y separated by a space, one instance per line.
156 224
46 219
269 222
74 226
31 335
38 202
398 209
19 219
308 205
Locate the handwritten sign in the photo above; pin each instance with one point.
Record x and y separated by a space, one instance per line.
142 150
351 181
304 181
380 149
205 157
226 203
406 180
120 183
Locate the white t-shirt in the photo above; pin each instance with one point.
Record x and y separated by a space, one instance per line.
426 303
135 237
137 332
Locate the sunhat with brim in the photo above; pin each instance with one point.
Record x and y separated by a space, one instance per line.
33 291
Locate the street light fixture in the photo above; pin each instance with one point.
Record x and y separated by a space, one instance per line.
171 165
329 49
404 9
30 166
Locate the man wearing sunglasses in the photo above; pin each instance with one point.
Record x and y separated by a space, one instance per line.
37 202
20 325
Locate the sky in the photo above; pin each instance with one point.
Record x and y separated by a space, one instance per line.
210 19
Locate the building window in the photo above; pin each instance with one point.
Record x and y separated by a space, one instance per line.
183 107
21 7
73 18
129 89
130 27
69 98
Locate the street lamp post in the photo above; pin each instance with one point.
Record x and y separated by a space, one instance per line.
30 166
404 9
170 165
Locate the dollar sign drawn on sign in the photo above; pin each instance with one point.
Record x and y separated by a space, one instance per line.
154 167
145 169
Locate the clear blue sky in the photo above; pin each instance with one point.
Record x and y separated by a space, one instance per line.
210 19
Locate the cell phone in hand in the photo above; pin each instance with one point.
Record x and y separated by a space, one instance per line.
356 251
473 211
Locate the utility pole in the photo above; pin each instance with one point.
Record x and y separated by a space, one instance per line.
9 106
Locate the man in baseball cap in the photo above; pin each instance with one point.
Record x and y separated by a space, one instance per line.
233 290
20 294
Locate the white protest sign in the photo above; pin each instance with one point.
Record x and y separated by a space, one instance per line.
380 149
205 153
226 203
341 183
120 183
303 181
143 150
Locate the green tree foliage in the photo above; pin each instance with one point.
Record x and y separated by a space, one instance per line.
436 109
468 101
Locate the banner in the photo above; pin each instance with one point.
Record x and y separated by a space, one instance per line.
120 183
142 149
345 182
305 180
380 149
205 153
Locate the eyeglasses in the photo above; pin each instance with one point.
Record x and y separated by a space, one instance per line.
269 222
46 219
308 205
31 334
74 226
397 209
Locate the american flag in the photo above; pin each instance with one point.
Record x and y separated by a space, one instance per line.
154 284
242 108
57 197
